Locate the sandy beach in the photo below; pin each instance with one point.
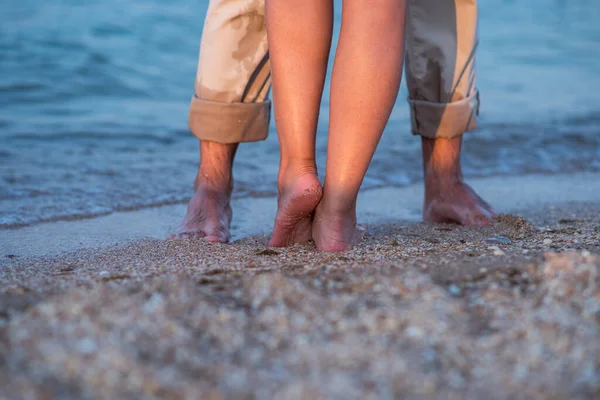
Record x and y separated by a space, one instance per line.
102 104
105 308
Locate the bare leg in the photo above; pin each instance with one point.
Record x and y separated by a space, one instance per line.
299 35
209 211
447 197
365 82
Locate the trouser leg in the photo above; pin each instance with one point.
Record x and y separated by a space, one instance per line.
230 104
441 41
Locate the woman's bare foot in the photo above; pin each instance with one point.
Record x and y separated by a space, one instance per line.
209 211
447 197
297 201
335 229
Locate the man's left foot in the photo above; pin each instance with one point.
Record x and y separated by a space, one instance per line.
208 216
209 211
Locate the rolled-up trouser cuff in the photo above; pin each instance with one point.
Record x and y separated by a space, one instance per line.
444 120
229 122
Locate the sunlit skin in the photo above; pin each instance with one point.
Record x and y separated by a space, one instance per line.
365 81
209 213
300 39
447 197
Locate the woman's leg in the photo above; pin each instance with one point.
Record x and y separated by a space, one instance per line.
299 35
365 82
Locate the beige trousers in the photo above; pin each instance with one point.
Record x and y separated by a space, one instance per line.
233 81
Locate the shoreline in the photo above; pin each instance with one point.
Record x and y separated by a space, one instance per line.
416 310
375 207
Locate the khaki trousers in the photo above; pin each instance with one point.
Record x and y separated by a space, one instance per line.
231 104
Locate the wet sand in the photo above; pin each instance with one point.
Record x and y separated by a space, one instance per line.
255 216
416 311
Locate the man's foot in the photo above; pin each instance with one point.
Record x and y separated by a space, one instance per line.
298 198
456 202
208 216
335 228
209 211
447 197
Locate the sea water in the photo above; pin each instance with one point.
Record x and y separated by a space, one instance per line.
94 98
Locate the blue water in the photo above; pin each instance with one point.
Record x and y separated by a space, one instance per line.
94 97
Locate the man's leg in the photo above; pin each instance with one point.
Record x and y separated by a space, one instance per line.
230 106
441 41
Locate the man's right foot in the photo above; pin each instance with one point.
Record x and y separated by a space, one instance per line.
448 199
453 201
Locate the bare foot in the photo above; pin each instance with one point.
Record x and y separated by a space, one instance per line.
209 211
208 216
456 202
447 197
295 207
334 230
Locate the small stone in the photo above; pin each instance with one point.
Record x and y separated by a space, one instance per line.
454 290
86 346
104 274
414 332
547 241
496 250
483 270
499 240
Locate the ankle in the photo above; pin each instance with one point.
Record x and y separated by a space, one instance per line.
337 206
437 175
292 169
441 159
216 167
214 180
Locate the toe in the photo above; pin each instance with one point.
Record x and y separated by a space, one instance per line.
217 237
479 217
188 235
481 220
197 235
359 234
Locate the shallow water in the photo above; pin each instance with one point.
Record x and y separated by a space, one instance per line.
94 97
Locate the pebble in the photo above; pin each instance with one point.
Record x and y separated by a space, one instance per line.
496 250
454 290
414 332
104 274
547 241
86 346
499 240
